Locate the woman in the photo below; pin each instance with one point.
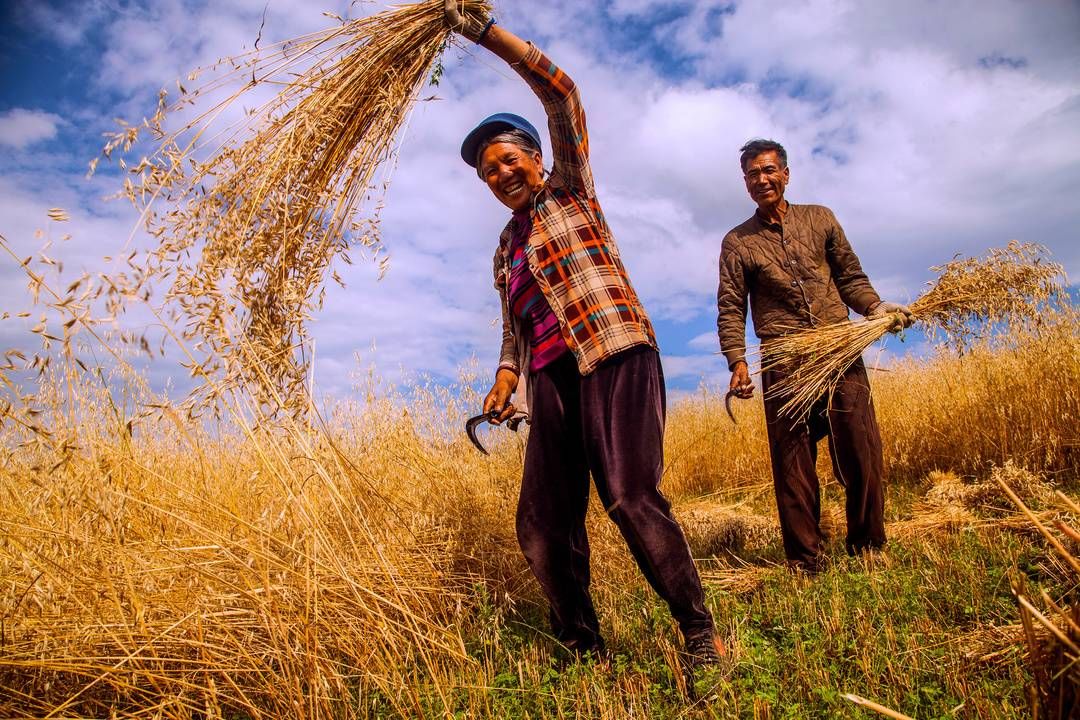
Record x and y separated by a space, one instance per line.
572 321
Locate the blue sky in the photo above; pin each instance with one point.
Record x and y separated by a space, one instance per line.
930 128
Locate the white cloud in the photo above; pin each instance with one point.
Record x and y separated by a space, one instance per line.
20 127
931 129
692 369
704 341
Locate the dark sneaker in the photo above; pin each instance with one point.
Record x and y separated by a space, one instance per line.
703 649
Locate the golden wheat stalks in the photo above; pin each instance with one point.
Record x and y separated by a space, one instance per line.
259 211
1051 628
1009 285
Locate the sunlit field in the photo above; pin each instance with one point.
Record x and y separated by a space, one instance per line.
364 564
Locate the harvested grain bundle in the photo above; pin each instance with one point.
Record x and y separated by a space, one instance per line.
1010 285
713 531
280 198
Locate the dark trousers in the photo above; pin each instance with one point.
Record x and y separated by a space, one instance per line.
855 445
610 422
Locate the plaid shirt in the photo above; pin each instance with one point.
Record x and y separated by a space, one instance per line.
571 251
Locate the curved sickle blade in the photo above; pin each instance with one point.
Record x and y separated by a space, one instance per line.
727 405
471 424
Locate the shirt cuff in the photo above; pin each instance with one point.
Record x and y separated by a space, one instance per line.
867 301
735 356
508 366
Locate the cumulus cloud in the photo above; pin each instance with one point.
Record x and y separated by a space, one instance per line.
20 127
929 128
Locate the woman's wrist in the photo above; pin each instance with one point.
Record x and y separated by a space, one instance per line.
506 375
483 33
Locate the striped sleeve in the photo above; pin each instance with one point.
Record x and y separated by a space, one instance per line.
566 118
508 358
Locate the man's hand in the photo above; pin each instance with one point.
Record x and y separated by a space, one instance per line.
740 381
904 316
499 396
469 27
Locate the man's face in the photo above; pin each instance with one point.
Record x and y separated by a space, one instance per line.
766 177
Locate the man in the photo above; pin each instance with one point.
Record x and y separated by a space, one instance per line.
796 267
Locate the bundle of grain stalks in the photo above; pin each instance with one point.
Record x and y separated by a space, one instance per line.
1009 286
952 503
267 205
713 531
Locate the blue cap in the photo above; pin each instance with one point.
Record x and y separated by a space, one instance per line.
493 125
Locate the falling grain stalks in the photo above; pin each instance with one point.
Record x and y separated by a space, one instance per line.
1046 623
285 192
1014 284
880 709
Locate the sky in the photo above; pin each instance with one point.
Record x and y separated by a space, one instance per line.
930 128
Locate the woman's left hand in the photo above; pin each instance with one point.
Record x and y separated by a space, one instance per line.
498 398
470 27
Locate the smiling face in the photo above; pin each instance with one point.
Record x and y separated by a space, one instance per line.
766 177
512 173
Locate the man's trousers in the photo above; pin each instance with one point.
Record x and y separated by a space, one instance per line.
848 421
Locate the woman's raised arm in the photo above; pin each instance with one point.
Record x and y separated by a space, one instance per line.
555 89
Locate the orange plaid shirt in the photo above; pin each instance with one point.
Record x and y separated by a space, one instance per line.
571 251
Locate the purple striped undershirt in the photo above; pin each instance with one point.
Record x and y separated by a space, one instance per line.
528 302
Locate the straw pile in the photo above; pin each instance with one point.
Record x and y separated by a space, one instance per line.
953 504
266 205
1011 285
725 531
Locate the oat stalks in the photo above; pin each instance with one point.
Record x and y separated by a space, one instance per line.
1009 286
260 210
1051 632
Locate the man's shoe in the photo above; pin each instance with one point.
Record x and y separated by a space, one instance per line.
703 649
584 652
808 568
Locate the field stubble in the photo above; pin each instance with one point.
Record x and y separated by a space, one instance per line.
369 568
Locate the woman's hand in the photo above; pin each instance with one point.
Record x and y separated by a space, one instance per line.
499 396
469 27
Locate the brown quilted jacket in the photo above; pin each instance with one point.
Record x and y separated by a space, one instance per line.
797 274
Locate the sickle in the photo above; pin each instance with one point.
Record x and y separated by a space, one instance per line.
727 405
470 427
472 423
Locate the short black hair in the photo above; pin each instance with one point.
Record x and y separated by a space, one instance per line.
757 146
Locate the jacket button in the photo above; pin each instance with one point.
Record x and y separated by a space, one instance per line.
794 283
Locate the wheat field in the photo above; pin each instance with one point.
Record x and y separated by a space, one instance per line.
365 565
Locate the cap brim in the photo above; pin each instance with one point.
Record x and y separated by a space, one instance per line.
478 135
